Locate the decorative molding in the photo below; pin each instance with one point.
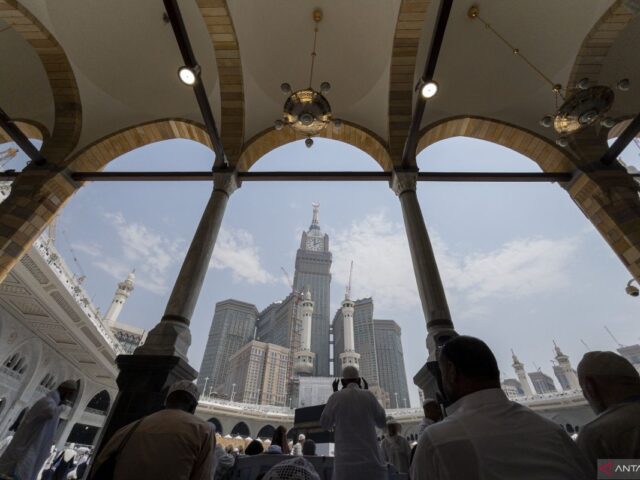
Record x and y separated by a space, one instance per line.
226 182
403 181
34 270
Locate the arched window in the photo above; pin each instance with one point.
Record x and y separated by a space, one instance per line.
216 423
100 403
241 429
266 431
16 365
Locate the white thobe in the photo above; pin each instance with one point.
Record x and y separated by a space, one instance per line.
486 436
354 414
397 452
31 444
423 425
615 433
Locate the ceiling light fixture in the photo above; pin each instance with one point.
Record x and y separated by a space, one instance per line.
307 111
189 76
585 104
429 89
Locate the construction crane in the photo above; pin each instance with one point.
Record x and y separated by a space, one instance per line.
611 335
289 282
348 292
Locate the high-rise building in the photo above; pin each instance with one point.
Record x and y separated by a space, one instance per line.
232 327
313 265
542 383
258 374
564 372
515 384
631 353
510 390
392 375
364 337
277 323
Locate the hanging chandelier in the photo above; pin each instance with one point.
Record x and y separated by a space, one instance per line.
586 104
307 111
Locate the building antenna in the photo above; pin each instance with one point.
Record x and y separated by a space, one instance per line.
611 335
348 292
585 345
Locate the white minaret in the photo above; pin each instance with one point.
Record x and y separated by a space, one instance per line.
303 361
522 375
349 357
566 369
122 293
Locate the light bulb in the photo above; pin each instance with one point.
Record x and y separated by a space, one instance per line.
188 76
429 89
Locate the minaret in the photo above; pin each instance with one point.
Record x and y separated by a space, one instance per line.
522 375
303 361
564 368
349 357
122 293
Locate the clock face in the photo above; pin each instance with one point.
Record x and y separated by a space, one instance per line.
314 244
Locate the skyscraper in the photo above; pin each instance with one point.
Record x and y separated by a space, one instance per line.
232 327
313 265
392 375
542 382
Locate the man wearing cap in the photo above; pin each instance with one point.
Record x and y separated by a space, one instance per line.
611 385
172 444
297 448
395 448
32 442
354 413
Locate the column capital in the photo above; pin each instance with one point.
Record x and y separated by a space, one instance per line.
227 182
403 181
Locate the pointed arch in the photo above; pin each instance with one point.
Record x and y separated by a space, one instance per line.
241 429
350 133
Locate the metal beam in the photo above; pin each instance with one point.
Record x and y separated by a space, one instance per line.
624 139
20 139
189 58
411 144
310 176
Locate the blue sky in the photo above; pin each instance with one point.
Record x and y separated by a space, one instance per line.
521 265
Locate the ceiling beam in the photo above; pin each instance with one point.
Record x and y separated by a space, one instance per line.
410 146
20 139
310 176
624 139
189 59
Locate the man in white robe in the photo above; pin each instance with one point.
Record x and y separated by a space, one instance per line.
31 444
354 413
432 414
486 436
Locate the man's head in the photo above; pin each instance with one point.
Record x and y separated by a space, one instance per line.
432 410
183 395
67 390
309 447
350 374
393 427
607 378
301 438
467 365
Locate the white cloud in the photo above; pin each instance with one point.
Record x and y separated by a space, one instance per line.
236 250
383 268
91 249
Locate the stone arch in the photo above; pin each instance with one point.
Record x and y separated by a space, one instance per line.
66 96
595 47
242 429
350 133
216 423
97 155
101 402
548 156
266 431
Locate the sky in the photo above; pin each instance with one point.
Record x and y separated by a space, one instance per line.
521 265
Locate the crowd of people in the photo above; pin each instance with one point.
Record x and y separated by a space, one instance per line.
476 432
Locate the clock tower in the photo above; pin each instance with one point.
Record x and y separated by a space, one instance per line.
313 265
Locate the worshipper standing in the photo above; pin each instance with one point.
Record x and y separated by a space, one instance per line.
297 448
309 448
31 444
611 385
279 443
64 463
395 448
292 469
486 436
172 444
432 414
354 413
223 461
254 448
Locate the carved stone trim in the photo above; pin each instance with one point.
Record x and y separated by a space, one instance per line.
227 182
403 181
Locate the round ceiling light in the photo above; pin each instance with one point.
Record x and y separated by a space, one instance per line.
429 89
188 76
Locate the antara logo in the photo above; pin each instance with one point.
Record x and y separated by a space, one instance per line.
606 468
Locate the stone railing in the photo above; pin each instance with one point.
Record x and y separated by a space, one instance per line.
49 253
249 408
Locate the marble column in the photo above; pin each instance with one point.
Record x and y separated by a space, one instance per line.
432 296
146 375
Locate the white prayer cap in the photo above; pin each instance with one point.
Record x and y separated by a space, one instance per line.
606 364
295 469
350 373
185 386
301 436
68 385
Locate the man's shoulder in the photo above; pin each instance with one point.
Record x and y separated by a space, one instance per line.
615 420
